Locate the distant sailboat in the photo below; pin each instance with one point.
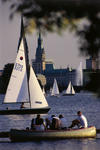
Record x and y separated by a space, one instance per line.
24 87
55 89
70 90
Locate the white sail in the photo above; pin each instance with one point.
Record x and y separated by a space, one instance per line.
37 97
79 75
73 91
17 90
70 89
55 90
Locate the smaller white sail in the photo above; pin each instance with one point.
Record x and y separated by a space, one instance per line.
37 97
73 91
55 90
70 90
17 90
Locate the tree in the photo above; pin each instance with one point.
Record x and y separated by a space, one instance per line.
4 80
53 15
90 36
90 46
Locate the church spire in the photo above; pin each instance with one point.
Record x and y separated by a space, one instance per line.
40 49
40 40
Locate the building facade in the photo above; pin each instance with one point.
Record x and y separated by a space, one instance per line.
46 68
93 63
63 77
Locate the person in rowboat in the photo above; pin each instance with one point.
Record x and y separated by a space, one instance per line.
81 121
38 123
63 122
53 122
48 121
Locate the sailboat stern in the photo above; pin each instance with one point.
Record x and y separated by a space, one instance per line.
25 111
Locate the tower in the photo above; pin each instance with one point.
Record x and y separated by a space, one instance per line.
40 53
39 63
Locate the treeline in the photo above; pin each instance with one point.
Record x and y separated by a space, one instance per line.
4 79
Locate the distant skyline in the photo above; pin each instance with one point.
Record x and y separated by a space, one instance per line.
62 50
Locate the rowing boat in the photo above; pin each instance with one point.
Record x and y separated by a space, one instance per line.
29 135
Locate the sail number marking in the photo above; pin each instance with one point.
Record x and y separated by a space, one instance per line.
18 67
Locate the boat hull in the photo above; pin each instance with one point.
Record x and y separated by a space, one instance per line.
55 96
68 94
25 111
24 135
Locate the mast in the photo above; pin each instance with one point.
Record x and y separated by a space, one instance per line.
22 35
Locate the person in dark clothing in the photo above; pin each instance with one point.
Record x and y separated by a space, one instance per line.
37 123
38 120
22 105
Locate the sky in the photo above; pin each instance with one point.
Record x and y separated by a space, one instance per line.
62 50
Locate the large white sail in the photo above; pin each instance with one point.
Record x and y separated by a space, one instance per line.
37 97
55 90
17 90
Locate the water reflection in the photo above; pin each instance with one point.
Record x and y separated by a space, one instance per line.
67 106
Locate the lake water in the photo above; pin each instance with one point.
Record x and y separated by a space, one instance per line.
68 106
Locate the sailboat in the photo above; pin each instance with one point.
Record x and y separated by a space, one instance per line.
55 89
70 90
24 87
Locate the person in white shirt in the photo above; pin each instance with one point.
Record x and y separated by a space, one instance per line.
81 121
